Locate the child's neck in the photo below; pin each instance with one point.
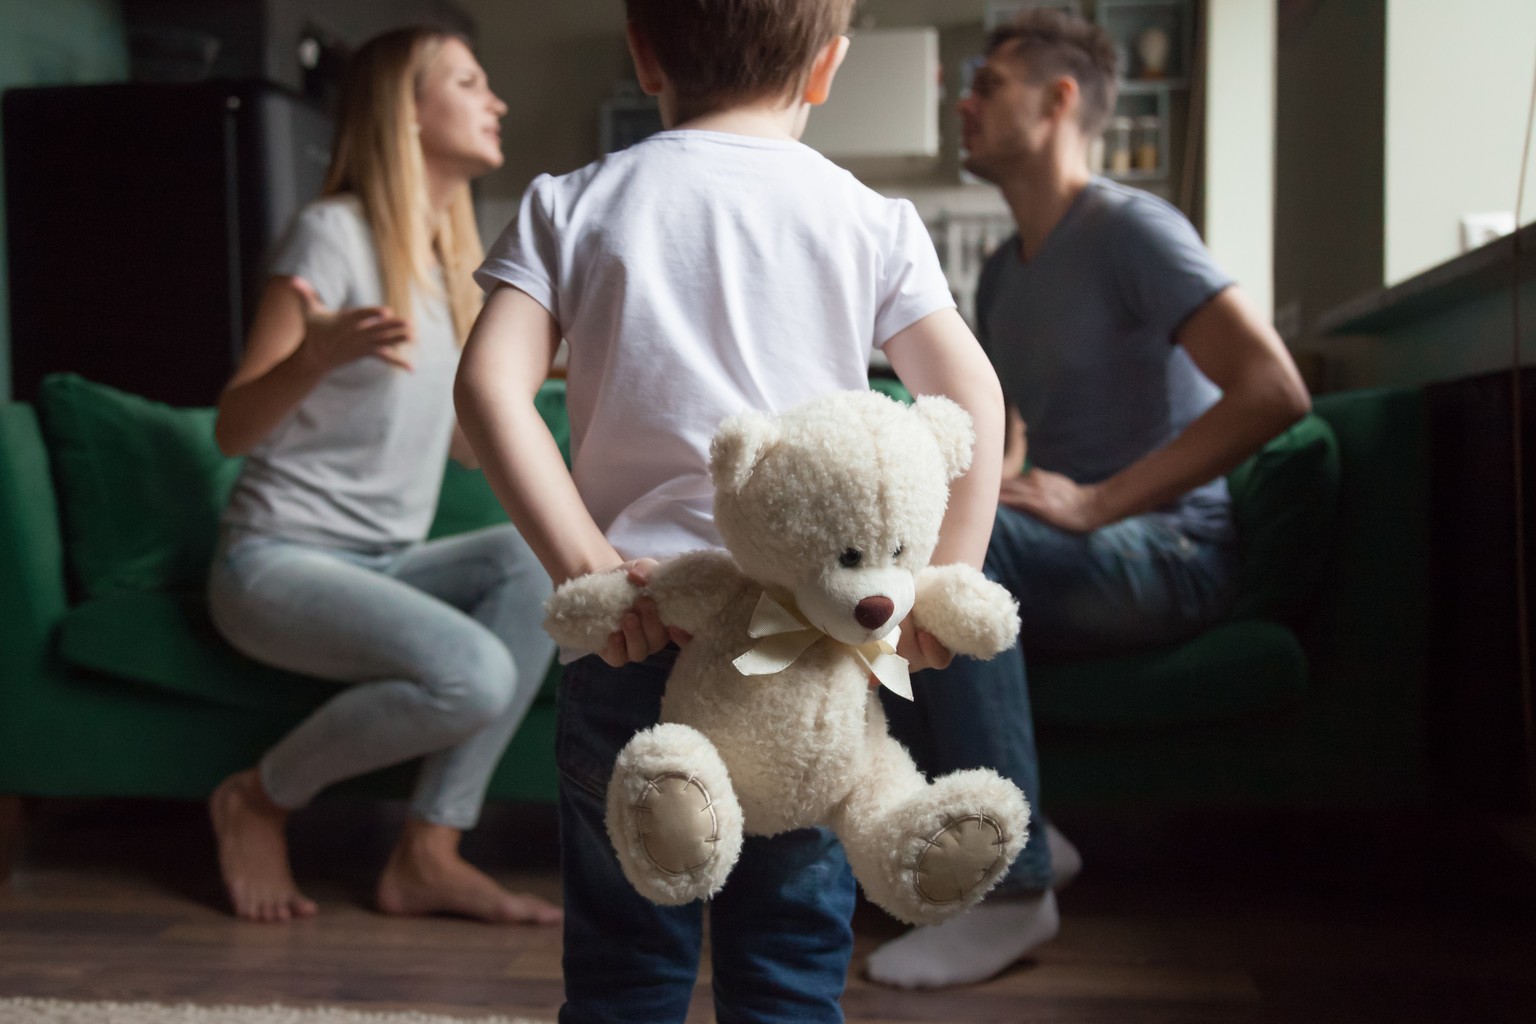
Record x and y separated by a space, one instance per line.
772 119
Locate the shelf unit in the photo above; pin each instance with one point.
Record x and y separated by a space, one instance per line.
1164 95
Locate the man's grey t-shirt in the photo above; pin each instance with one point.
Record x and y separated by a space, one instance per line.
1082 337
359 463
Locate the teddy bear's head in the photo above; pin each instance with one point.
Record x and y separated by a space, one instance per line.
839 502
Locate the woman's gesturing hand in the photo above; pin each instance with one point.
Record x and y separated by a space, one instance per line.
335 337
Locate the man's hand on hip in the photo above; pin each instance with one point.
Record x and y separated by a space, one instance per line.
1055 499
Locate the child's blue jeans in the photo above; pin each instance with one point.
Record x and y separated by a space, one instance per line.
779 931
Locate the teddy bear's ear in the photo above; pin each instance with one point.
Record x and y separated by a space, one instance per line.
951 428
737 446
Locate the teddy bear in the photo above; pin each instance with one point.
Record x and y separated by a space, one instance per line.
829 513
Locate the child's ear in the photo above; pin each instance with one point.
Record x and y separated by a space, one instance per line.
647 68
819 85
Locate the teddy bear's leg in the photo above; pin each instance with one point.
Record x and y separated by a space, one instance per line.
926 852
673 817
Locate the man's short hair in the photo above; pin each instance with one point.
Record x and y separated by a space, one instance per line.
731 51
1054 43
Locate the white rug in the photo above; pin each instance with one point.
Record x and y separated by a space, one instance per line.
55 1011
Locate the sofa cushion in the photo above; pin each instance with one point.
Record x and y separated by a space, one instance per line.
140 484
166 640
1284 500
1234 669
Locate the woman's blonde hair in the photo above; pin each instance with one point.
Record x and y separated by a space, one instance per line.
377 157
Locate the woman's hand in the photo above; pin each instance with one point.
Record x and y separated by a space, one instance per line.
641 632
333 338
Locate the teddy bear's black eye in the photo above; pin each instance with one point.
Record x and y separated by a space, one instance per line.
899 549
850 558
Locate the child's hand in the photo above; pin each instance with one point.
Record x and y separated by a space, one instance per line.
333 338
920 649
641 632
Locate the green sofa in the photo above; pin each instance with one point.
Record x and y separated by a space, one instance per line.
113 683
1313 693
112 679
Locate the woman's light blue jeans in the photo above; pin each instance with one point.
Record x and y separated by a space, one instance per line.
1137 583
442 643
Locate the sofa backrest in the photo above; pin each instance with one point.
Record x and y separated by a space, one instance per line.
466 502
1374 602
1284 503
140 486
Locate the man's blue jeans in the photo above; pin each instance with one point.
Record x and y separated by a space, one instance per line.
779 930
1137 583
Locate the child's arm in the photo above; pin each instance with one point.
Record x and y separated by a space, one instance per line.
506 358
938 355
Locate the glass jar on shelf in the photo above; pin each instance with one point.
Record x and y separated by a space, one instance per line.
1148 143
1118 145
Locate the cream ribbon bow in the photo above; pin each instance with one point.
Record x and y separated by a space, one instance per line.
782 636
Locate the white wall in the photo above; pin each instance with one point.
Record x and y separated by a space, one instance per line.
1458 90
554 64
1240 144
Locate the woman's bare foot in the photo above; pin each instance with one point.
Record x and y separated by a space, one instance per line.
426 875
253 851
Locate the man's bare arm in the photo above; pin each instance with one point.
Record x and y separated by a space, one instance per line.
1262 394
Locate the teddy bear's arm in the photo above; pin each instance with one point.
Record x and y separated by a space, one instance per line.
583 612
965 611
691 590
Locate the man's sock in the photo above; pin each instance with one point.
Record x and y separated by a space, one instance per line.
969 948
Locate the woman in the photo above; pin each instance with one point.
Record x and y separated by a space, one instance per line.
342 405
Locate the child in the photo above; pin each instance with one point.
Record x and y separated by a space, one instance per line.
715 267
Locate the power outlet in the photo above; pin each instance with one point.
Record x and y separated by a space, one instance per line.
1478 229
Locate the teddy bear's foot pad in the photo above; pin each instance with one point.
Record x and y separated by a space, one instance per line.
964 855
676 823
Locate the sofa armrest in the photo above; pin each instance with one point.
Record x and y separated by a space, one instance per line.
33 598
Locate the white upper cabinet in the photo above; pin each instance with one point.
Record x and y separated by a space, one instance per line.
885 99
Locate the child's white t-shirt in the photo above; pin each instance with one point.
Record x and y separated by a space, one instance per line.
696 275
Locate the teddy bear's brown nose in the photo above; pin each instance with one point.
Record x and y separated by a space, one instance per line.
873 612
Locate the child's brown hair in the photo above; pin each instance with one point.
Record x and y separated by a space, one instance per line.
716 52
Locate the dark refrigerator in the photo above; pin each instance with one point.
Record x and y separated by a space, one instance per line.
139 216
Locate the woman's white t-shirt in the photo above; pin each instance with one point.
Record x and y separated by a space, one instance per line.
359 462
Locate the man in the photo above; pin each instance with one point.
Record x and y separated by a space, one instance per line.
1140 376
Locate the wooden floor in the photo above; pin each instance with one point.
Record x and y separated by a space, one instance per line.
1404 918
